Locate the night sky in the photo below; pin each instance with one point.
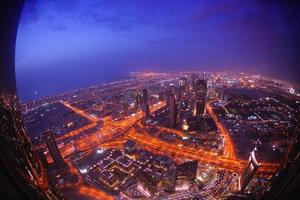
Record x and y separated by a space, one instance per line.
66 44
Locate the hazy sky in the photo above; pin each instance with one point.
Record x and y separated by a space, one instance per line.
86 40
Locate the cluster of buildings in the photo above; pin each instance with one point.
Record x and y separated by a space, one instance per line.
259 119
55 117
255 116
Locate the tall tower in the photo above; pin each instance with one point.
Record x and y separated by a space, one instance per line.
250 171
145 96
125 109
173 112
182 87
138 100
146 111
161 94
52 146
199 106
193 80
223 95
182 82
200 91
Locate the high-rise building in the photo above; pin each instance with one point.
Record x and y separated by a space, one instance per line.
125 109
129 147
146 110
200 92
145 96
168 94
194 78
52 146
22 173
138 100
172 89
173 112
42 157
182 82
199 106
184 105
223 95
161 93
182 87
249 171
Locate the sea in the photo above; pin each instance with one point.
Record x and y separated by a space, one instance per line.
36 85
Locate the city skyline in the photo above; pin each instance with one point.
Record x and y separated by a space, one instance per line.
105 40
168 135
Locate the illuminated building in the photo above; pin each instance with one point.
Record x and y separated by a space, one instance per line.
146 110
138 100
184 105
182 83
185 174
173 112
42 157
148 181
52 146
187 170
161 94
249 171
185 126
182 87
172 89
199 107
169 179
194 78
129 146
145 96
223 95
168 93
200 91
125 109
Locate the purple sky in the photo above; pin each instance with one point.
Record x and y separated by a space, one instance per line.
108 37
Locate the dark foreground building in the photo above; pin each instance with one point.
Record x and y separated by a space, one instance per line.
52 146
21 173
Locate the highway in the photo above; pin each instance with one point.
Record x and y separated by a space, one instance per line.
112 129
172 150
115 132
229 151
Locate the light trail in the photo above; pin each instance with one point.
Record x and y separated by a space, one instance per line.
172 150
229 150
94 193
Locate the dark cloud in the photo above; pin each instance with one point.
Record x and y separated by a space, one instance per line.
30 11
246 35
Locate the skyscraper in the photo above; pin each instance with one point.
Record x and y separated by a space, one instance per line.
145 106
200 91
145 96
250 171
146 110
182 82
173 112
161 94
223 95
22 174
52 146
125 109
182 87
138 100
199 106
193 80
